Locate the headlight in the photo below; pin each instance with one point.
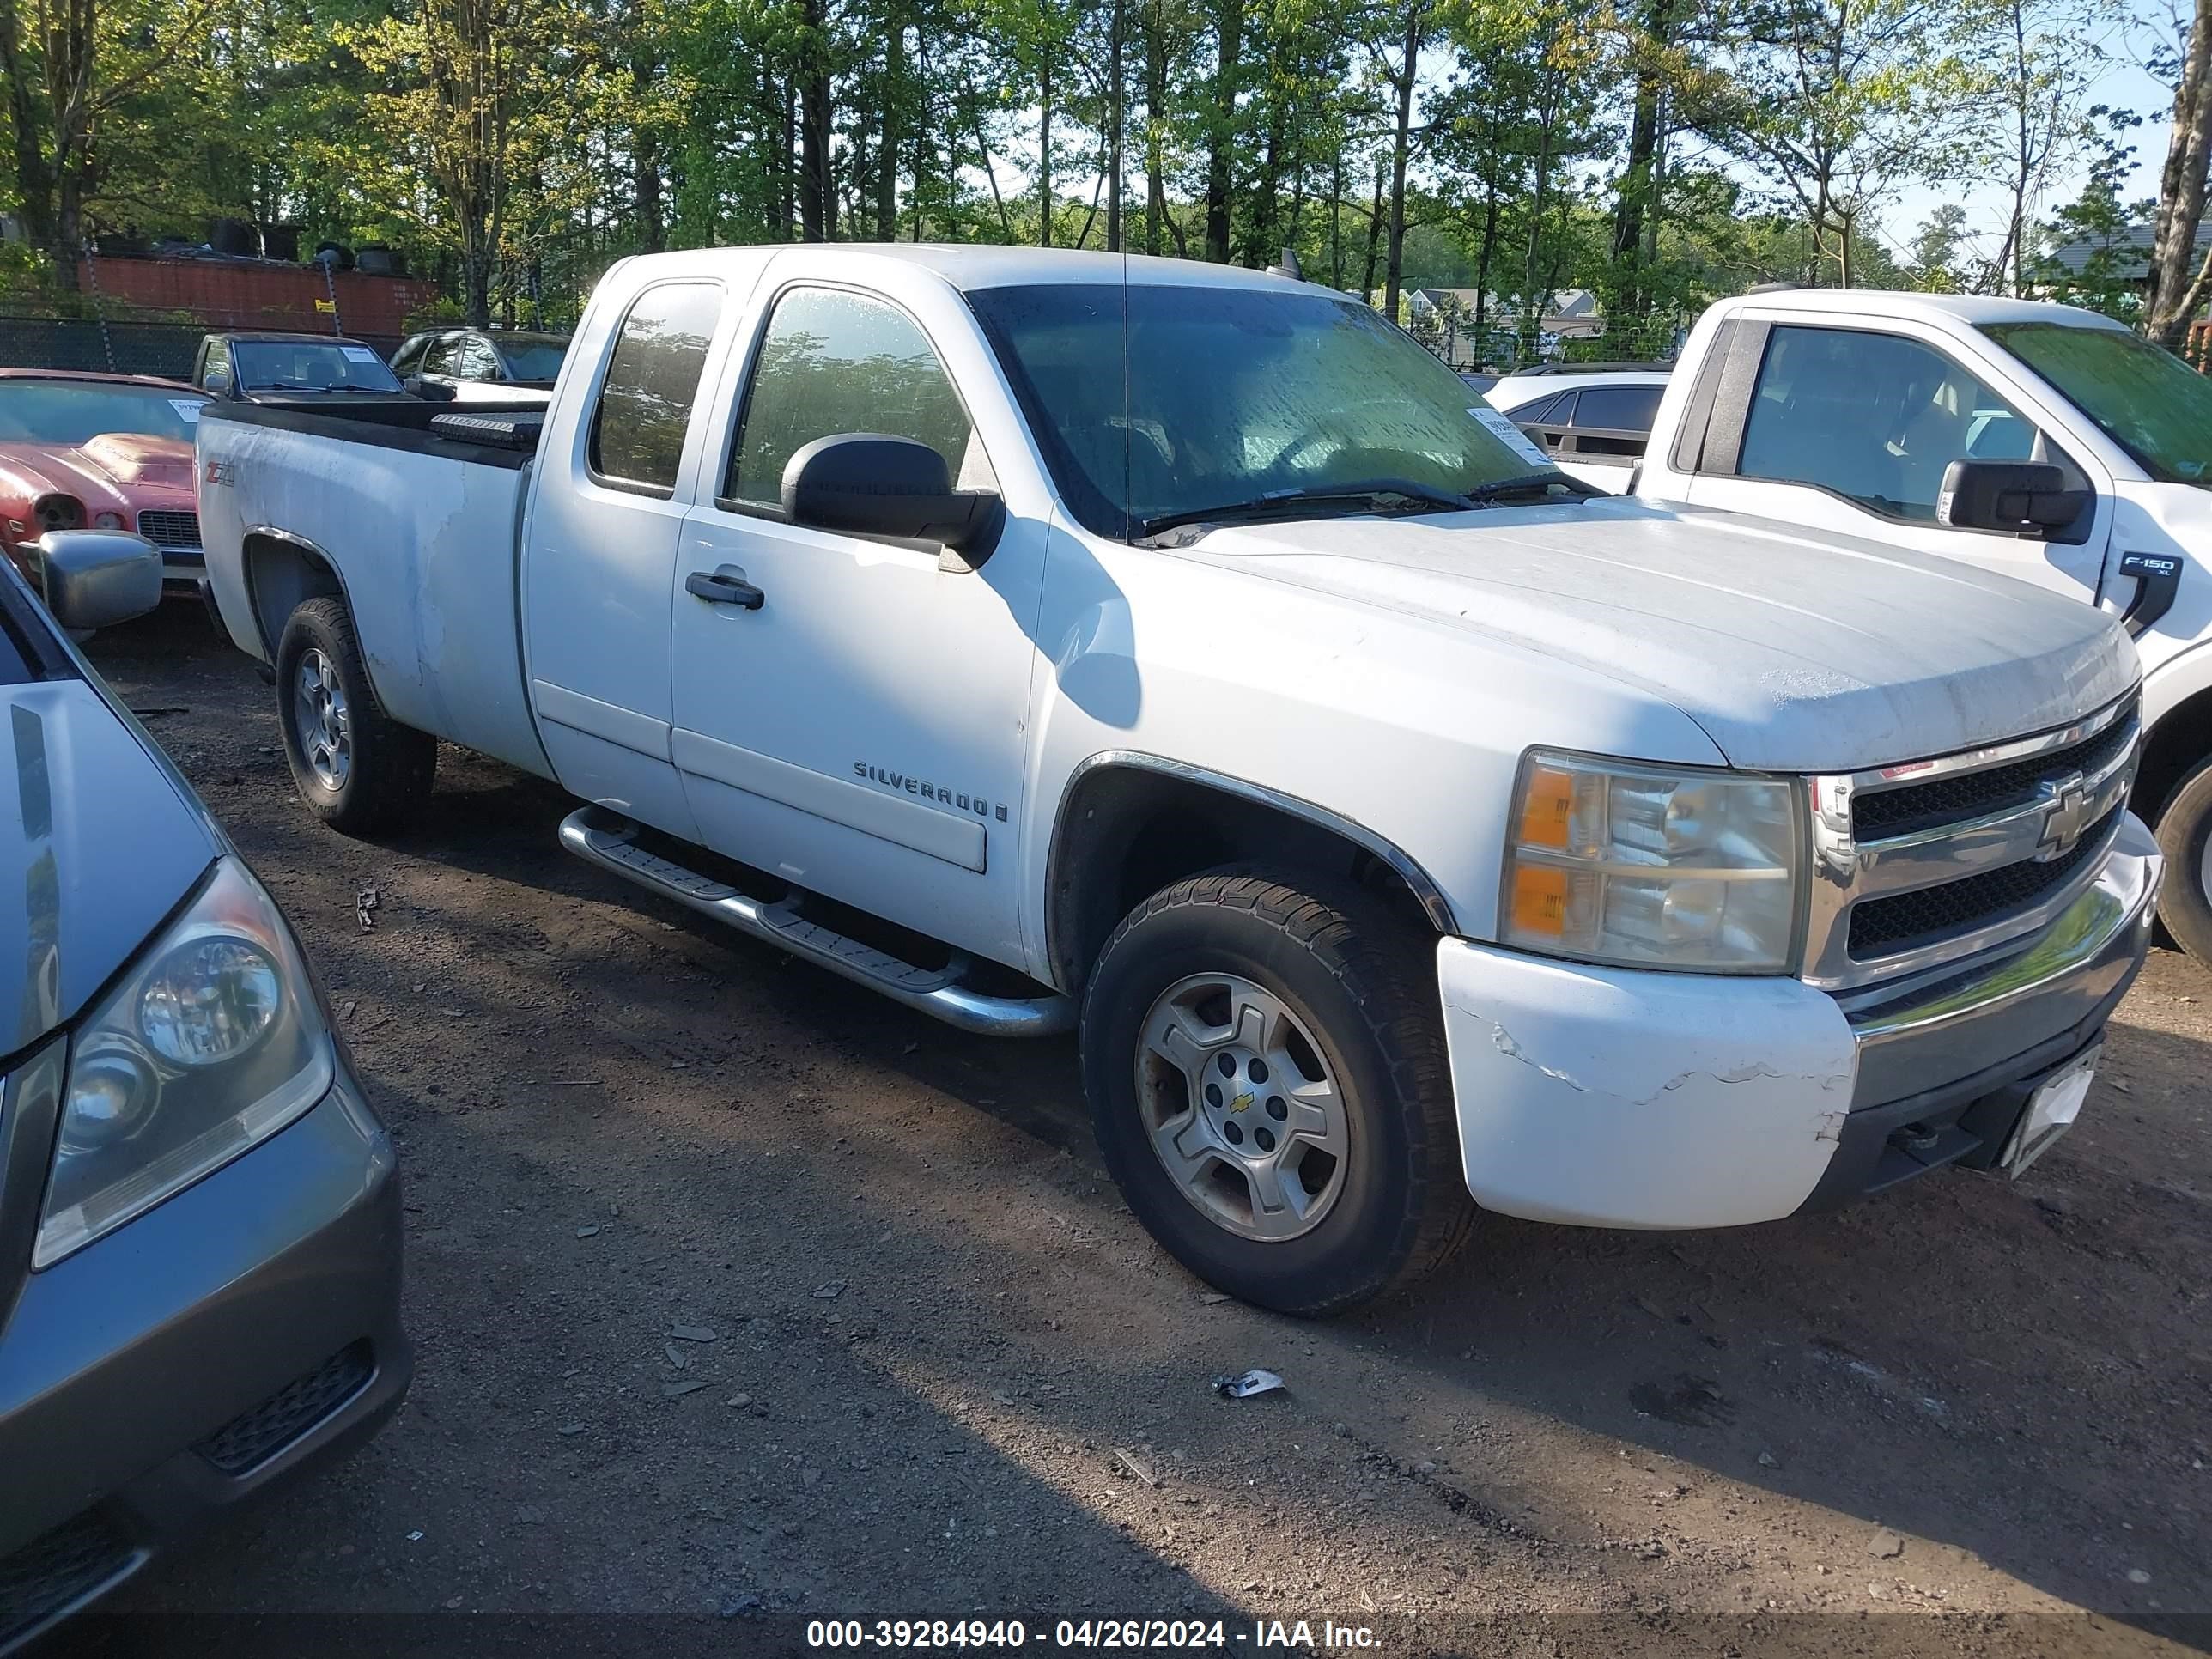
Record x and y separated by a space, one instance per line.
212 1042
1652 866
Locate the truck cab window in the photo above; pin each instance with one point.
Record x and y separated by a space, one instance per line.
1876 418
653 380
833 362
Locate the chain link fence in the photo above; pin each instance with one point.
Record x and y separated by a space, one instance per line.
1501 350
166 348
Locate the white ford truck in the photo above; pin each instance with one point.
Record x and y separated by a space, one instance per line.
1045 640
2039 442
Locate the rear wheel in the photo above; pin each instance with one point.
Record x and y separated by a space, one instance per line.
1266 1069
359 771
2185 835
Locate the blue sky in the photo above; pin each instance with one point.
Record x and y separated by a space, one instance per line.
2122 40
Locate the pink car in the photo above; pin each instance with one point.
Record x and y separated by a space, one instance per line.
100 452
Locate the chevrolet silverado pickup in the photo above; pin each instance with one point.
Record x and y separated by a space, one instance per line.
1182 655
2040 441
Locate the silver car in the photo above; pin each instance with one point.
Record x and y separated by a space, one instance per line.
199 1212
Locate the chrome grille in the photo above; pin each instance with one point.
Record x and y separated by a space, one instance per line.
170 529
1920 865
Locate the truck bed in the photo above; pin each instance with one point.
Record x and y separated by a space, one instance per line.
419 516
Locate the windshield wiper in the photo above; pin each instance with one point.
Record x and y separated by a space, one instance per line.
1384 496
1529 483
303 386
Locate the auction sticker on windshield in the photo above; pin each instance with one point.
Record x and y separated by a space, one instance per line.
357 353
1510 436
188 409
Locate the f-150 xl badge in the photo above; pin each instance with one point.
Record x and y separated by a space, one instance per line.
935 792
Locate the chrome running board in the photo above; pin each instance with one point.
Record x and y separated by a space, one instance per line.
605 838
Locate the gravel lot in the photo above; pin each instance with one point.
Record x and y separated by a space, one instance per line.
949 1377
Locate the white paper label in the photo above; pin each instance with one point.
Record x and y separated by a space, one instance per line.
188 409
1510 436
357 353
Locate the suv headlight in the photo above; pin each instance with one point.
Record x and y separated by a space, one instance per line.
1650 866
212 1042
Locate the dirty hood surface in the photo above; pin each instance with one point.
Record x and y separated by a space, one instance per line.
1795 652
97 845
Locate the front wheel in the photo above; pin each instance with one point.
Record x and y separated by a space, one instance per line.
359 771
2185 835
1265 1064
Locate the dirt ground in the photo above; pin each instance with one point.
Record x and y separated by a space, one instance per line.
951 1378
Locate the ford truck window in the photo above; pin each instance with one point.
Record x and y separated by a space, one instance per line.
1876 418
835 362
652 379
2141 397
1205 396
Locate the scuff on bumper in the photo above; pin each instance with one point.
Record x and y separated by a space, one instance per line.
1616 1097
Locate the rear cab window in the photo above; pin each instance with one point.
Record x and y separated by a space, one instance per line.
652 383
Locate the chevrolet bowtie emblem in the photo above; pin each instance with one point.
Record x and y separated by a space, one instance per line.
2065 816
1243 1103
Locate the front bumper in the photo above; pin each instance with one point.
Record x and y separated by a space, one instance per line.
195 1356
1623 1098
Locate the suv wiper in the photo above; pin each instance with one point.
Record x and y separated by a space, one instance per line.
1529 483
1384 496
303 386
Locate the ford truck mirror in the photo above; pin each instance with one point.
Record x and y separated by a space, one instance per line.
2028 498
97 578
866 484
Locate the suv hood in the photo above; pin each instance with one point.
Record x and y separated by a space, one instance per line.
98 844
1796 652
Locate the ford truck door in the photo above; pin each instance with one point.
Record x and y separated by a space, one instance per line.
1851 429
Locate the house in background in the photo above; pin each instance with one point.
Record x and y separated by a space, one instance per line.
1443 319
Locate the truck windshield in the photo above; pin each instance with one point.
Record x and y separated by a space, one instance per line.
534 357
311 365
2143 397
1228 395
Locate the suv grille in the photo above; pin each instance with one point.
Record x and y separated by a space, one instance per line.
1947 800
170 529
1882 925
54 1569
253 1436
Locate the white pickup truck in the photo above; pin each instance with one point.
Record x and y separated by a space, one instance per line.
1046 640
2039 442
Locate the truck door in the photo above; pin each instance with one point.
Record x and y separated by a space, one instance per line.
1851 429
850 712
600 547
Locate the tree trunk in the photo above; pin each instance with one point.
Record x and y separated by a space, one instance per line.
1221 135
1400 146
2181 189
1632 294
1044 144
1116 89
651 227
1373 235
1336 221
894 95
817 187
1155 97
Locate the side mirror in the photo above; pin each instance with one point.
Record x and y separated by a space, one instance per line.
868 484
98 578
2024 497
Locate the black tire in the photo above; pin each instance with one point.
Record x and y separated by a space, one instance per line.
1356 978
389 767
2184 828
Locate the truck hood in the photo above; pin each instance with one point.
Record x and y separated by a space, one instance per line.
1796 652
98 843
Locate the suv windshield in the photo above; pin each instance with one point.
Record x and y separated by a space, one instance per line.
2143 397
74 411
1229 396
312 365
